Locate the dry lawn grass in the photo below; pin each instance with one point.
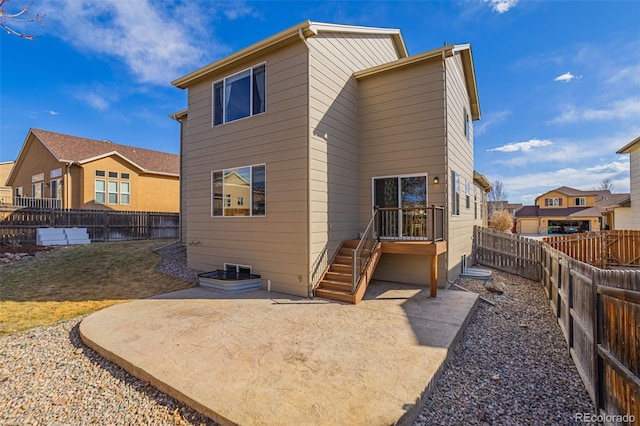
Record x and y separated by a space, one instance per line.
77 280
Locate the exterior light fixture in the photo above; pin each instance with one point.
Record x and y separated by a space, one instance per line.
436 180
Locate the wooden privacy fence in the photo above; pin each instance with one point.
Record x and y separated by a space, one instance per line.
602 249
507 252
102 225
598 312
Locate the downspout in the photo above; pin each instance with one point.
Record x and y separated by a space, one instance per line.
447 189
308 143
67 184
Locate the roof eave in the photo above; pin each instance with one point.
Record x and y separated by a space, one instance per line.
441 52
627 148
482 180
307 28
11 177
179 115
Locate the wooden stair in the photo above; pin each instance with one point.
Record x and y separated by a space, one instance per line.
337 281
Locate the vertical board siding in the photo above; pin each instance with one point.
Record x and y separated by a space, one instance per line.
618 248
598 311
334 149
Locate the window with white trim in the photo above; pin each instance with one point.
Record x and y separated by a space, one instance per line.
455 202
243 190
113 192
468 195
553 202
237 269
100 191
581 201
239 95
467 124
125 193
37 189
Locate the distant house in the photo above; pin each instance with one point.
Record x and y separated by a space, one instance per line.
512 208
627 213
71 172
5 191
292 146
566 209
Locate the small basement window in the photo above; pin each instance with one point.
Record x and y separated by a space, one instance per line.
238 269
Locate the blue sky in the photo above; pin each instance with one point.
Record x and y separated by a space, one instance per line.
558 81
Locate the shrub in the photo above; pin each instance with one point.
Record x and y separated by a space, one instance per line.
501 221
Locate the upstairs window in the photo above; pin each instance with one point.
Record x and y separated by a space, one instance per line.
553 202
240 95
581 201
467 125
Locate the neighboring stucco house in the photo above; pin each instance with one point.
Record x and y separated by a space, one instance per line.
320 124
5 191
627 214
564 207
71 172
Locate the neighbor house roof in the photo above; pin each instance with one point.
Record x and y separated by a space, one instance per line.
535 211
442 52
572 192
627 148
77 150
303 30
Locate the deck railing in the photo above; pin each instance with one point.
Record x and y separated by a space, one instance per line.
362 252
411 223
39 203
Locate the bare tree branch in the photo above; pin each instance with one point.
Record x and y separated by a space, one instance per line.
8 20
606 184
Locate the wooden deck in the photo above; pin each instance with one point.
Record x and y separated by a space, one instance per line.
336 281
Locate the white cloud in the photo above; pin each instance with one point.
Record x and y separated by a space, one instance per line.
490 120
522 146
566 77
158 44
97 96
501 6
622 109
627 75
52 112
526 187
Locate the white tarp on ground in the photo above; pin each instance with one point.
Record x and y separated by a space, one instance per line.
61 236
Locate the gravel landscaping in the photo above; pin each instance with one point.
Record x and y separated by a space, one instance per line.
511 367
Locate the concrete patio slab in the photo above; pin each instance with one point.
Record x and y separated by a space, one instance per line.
264 358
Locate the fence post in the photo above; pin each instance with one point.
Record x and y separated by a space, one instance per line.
597 367
52 218
148 226
105 227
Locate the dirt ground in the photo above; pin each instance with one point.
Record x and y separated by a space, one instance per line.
23 248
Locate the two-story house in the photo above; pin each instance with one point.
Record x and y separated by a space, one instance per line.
71 172
566 210
326 136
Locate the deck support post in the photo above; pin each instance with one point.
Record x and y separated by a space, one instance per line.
434 276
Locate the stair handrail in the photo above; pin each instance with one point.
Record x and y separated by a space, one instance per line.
367 241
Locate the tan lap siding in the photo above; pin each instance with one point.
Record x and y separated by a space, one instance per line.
275 245
334 151
402 131
460 154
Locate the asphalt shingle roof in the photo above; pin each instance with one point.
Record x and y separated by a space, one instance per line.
79 150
